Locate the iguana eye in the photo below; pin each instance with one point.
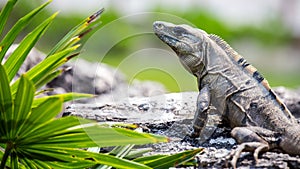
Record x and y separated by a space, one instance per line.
160 26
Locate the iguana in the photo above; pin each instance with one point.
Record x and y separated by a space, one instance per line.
232 90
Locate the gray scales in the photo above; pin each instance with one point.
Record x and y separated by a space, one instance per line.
231 91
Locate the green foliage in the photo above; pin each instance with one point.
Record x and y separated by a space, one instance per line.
167 161
271 32
5 13
31 136
17 28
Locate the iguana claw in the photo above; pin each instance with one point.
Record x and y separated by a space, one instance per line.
257 147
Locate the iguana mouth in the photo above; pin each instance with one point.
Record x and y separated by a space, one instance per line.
169 39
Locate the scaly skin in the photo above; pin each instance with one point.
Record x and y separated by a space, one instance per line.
231 90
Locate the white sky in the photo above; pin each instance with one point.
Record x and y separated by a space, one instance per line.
231 11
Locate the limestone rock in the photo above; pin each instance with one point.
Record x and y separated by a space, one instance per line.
171 115
291 98
100 79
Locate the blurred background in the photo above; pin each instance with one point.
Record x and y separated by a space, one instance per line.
266 33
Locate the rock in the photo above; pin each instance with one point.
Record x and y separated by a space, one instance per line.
161 108
125 90
34 57
155 109
106 82
86 77
102 80
171 115
291 98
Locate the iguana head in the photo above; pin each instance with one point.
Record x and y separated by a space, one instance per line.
188 43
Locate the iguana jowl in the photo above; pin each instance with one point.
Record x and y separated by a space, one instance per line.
233 90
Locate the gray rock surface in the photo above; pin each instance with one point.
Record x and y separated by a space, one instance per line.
34 58
291 98
178 106
106 82
156 109
171 115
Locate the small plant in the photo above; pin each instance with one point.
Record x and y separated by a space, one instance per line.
31 136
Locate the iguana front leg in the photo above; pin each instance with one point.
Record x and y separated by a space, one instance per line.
206 117
255 139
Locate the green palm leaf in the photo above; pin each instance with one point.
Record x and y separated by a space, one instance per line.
5 14
17 28
37 136
45 112
48 78
76 33
22 105
61 156
162 162
46 67
6 106
18 56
